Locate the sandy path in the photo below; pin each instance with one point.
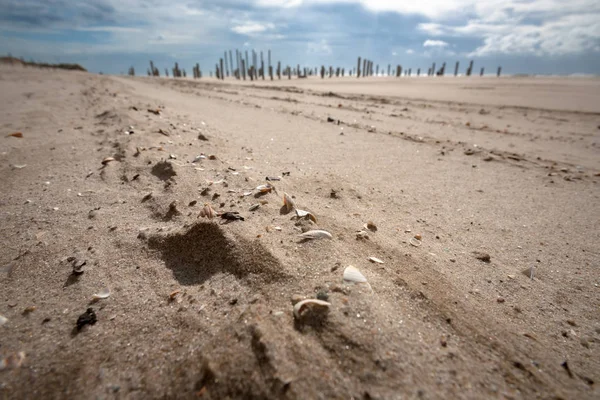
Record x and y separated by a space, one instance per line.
439 322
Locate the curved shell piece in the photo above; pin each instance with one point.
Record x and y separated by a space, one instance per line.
265 188
316 234
352 274
102 294
288 202
304 214
310 305
3 320
207 211
375 260
107 160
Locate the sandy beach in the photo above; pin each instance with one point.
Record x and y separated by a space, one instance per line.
479 199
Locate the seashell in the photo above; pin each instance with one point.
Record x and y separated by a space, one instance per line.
303 214
18 166
418 236
375 260
207 212
174 294
254 207
3 320
265 188
316 234
312 306
370 226
362 235
15 134
198 158
102 294
415 242
246 194
288 202
107 160
352 274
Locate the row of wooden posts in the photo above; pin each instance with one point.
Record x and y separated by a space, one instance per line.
254 68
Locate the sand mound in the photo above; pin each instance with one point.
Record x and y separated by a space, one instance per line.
205 249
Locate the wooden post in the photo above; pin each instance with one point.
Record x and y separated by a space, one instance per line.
279 70
481 73
456 69
398 71
358 68
231 63
429 71
470 69
243 68
365 72
433 69
343 72
389 66
289 72
226 69
418 71
217 71
270 66
443 69
246 64
322 72
221 74
499 71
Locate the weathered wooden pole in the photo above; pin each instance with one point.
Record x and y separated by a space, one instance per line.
343 72
398 70
470 68
429 71
358 68
246 63
221 74
217 72
270 66
322 72
243 68
365 71
481 73
289 72
279 70
433 69
262 66
499 71
389 70
418 71
226 69
443 70
231 63
456 69
237 63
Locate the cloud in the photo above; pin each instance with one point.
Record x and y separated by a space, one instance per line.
321 48
434 43
252 28
410 51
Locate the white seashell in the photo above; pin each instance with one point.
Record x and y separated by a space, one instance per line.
3 320
302 214
207 212
288 202
352 274
264 188
102 294
316 234
375 260
199 158
307 305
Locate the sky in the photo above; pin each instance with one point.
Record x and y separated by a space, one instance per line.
109 36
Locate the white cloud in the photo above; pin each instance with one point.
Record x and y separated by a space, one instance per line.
434 43
252 28
410 51
321 48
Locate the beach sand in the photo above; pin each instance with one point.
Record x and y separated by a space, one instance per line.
495 176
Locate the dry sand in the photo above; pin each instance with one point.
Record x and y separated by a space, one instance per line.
506 167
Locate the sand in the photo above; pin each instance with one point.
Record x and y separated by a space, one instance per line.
203 308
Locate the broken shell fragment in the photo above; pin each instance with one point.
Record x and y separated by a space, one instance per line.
362 235
375 260
352 274
174 294
102 294
288 203
316 234
312 306
207 212
107 160
3 320
304 214
265 188
254 207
